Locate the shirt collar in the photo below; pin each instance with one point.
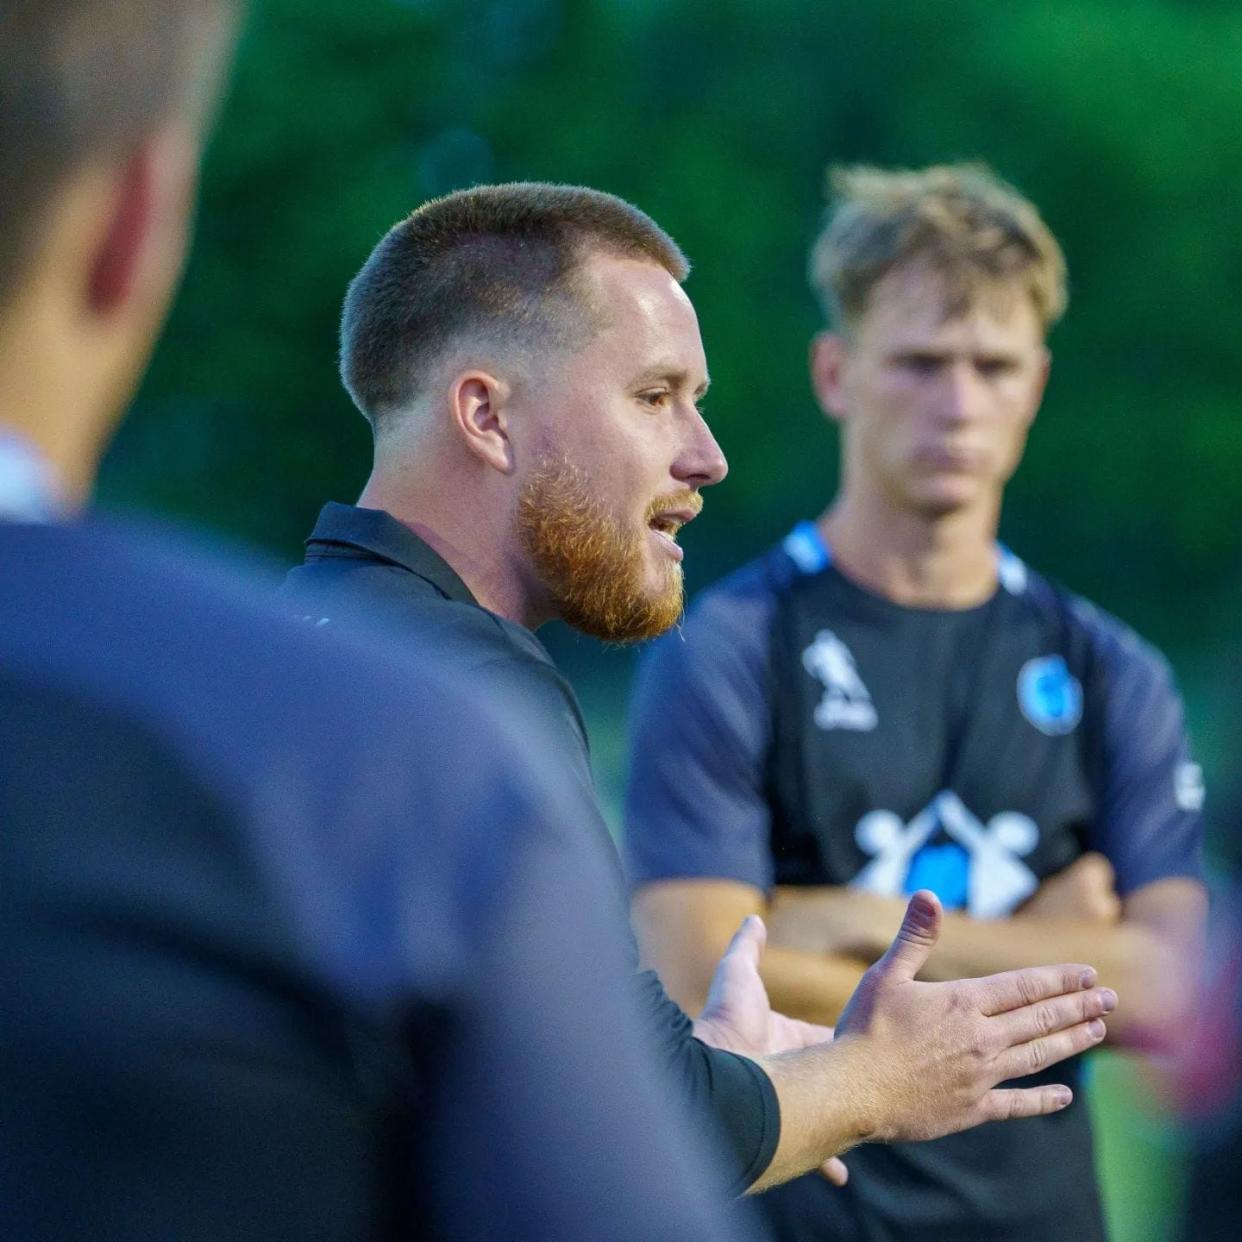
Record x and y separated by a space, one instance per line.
29 491
381 535
806 546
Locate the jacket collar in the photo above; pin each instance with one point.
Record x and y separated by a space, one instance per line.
28 488
378 534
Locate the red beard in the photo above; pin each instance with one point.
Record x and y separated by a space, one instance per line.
593 569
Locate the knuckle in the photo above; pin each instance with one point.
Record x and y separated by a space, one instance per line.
1028 989
962 999
1037 1054
1046 1019
979 1042
1004 1105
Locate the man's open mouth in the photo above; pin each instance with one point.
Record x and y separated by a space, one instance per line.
667 524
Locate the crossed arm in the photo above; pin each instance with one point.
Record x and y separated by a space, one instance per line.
821 940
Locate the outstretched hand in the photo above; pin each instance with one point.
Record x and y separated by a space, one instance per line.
941 1048
739 1017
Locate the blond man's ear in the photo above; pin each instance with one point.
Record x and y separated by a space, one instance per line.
827 362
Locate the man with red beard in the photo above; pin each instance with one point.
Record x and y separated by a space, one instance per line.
531 370
221 1023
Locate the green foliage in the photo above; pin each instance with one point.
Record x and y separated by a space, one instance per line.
719 116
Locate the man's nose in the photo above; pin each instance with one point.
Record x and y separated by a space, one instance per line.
701 461
963 396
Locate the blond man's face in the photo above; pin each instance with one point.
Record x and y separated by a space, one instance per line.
937 407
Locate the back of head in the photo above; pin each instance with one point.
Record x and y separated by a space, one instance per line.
495 264
958 222
84 81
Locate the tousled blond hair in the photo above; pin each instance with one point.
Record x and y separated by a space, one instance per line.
960 222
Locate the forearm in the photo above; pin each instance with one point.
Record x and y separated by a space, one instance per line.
1139 963
1146 956
824 1107
683 928
812 986
1123 955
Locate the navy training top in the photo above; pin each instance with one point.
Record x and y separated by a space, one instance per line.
280 958
364 564
801 730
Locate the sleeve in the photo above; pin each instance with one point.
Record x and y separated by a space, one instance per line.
699 731
727 1094
731 1088
1149 823
552 1119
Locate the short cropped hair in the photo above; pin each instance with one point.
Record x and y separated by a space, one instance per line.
960 222
87 79
500 263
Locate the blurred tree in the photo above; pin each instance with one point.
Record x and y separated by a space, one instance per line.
719 117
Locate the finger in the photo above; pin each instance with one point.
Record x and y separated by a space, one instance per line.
834 1170
1019 1026
1015 988
1010 1103
916 937
1038 1054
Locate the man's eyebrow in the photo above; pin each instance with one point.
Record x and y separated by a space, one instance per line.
669 373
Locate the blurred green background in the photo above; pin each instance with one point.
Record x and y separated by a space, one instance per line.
1118 117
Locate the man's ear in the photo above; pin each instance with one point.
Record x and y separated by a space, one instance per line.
146 213
1040 382
119 253
828 359
479 413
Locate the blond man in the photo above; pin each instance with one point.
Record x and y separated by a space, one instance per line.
890 700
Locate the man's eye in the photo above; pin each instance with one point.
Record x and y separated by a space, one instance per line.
921 364
995 368
656 399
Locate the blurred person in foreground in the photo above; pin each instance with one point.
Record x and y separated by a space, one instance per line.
531 369
889 700
274 966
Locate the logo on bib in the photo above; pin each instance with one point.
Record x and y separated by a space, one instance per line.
846 702
978 868
1050 695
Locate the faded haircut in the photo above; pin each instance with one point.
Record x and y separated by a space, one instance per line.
496 263
959 222
82 80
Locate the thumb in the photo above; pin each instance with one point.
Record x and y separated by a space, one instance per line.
748 941
916 937
738 962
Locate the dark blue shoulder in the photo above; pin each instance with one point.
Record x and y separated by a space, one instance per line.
756 582
1113 646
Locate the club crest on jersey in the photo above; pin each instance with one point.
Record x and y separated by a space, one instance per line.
978 867
1050 695
846 701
